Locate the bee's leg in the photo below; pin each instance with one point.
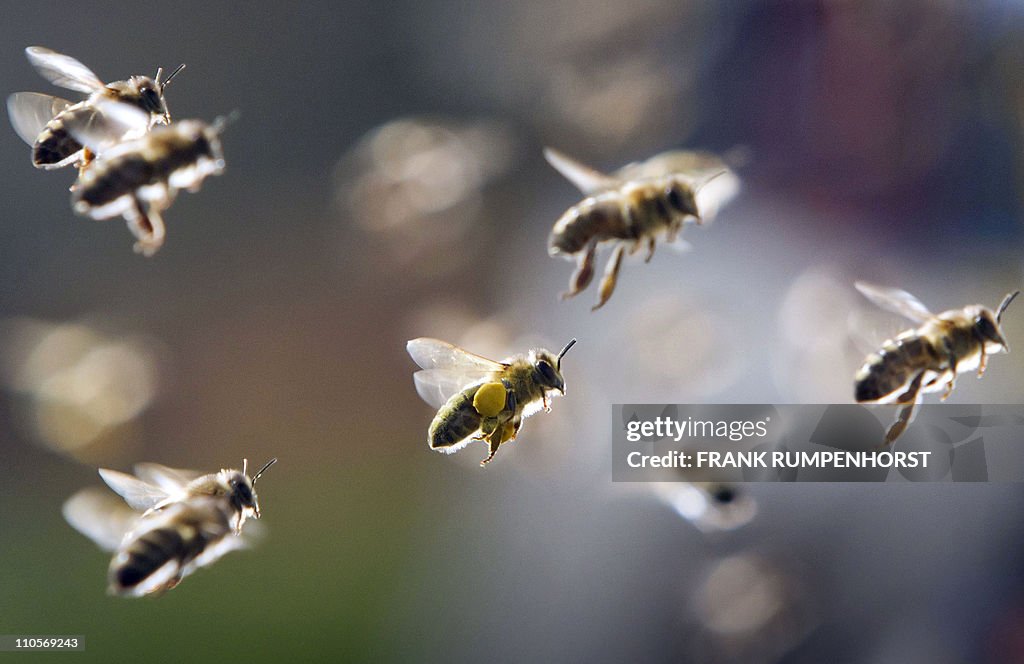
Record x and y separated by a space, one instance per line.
651 243
906 414
982 362
147 226
952 377
494 445
584 273
504 433
673 231
611 275
87 157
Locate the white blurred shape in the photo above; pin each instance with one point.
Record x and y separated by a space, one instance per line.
818 353
78 383
417 186
750 610
675 346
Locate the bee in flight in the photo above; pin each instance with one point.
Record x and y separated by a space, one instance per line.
710 506
480 399
41 120
139 178
629 208
928 357
179 521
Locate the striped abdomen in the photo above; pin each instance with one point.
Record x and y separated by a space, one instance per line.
150 160
456 420
633 212
55 147
168 541
597 218
887 372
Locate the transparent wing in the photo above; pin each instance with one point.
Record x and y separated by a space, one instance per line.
436 386
694 163
99 516
895 300
138 494
63 70
108 126
436 354
588 180
30 112
170 480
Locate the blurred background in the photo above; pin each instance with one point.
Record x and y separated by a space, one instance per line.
385 181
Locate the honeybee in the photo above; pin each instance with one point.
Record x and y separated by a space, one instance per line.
139 178
928 357
41 120
711 506
179 521
629 208
480 399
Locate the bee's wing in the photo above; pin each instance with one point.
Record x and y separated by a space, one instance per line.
588 180
688 162
170 480
138 494
63 70
447 369
436 386
437 354
30 112
895 300
99 516
107 126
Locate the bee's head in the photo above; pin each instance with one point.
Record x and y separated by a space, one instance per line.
242 492
547 368
987 325
680 195
151 93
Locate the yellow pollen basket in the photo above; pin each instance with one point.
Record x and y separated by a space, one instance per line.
489 399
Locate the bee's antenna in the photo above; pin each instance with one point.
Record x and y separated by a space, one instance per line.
264 468
159 73
169 77
245 466
564 351
1005 303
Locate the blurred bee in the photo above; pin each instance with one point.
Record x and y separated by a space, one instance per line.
480 399
140 178
929 357
710 506
187 521
41 120
629 208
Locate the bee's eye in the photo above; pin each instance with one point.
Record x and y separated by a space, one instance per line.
151 99
986 329
675 197
244 494
546 371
